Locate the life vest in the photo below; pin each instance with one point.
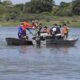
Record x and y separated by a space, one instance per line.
26 25
65 29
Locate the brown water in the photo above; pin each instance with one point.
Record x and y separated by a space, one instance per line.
32 63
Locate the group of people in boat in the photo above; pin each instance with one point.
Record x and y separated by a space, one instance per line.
55 31
59 32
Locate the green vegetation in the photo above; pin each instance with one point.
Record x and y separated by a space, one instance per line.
46 11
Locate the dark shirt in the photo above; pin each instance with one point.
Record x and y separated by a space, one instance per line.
19 29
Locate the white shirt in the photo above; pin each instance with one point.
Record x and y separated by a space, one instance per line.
54 29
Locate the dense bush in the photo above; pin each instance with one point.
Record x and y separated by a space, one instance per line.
38 9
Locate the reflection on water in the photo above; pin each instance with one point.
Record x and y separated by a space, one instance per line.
38 63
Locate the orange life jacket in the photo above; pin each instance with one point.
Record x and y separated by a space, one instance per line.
65 29
26 25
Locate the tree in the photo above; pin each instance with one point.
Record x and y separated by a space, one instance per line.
76 7
0 2
38 6
7 2
65 9
64 4
19 7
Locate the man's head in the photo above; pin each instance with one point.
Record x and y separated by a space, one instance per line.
55 24
64 24
45 27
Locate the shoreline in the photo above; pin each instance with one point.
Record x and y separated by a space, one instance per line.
75 24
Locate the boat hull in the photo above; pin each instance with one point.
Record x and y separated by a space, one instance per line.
15 41
68 42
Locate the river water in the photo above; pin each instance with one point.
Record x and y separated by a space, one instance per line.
34 63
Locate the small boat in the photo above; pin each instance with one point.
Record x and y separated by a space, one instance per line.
15 41
48 40
69 41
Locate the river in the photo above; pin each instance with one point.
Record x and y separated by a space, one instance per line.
34 63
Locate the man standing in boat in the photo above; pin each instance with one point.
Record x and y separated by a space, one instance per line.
65 30
22 30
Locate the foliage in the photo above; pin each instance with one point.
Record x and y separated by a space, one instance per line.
76 7
65 9
38 6
38 9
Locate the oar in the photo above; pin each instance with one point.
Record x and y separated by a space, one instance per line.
30 31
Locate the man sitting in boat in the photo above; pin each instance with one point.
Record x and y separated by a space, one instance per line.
45 31
55 32
22 30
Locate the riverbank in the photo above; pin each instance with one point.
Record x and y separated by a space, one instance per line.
70 21
9 23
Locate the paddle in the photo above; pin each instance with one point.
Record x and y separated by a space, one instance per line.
34 35
30 31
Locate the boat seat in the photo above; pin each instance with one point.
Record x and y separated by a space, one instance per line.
58 34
